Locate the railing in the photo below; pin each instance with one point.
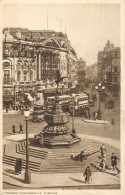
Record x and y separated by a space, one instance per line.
8 81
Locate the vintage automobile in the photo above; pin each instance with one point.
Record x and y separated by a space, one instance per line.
38 116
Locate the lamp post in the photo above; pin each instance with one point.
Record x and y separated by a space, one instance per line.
73 129
27 169
100 88
14 97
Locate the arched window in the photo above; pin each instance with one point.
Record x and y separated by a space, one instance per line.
25 75
31 75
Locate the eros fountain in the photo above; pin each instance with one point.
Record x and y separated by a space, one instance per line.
57 132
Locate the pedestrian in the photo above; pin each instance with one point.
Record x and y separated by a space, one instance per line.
102 150
20 128
20 165
82 155
16 108
96 115
6 109
103 162
87 174
89 116
17 168
99 114
114 159
86 113
13 129
113 122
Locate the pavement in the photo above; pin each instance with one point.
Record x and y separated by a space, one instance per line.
97 121
60 180
57 180
11 112
17 137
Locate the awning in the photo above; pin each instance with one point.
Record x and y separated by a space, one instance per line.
29 97
8 99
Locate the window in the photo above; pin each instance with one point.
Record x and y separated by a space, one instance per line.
31 76
108 68
25 77
115 69
6 76
115 79
18 76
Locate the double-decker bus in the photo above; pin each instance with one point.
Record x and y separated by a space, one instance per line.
81 102
38 113
64 101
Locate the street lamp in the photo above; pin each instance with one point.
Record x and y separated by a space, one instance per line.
27 169
100 88
73 129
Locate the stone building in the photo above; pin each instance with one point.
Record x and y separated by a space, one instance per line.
33 57
109 66
81 64
113 69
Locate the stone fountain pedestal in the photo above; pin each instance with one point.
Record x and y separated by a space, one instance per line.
57 132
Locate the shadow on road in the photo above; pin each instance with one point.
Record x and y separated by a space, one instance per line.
76 180
10 171
15 178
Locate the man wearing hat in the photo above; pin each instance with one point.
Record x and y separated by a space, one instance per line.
114 159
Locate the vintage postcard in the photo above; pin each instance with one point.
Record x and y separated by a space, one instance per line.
62 97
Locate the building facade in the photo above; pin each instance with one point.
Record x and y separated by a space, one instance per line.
109 66
81 64
33 57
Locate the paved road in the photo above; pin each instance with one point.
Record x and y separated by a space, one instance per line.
81 127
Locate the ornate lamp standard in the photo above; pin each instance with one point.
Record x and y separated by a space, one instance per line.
27 170
100 88
73 129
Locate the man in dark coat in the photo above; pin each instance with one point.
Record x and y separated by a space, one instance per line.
82 155
13 129
113 122
87 174
20 165
20 128
114 159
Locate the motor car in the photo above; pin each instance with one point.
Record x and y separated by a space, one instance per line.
38 116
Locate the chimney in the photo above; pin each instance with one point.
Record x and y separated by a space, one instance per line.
7 31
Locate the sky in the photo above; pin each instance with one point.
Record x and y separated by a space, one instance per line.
88 26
